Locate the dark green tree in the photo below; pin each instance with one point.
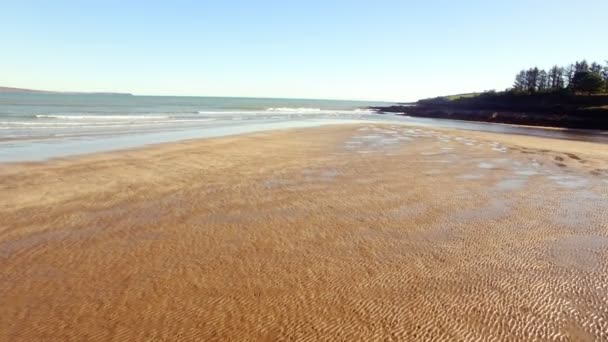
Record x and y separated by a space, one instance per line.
520 81
587 82
581 66
556 78
605 76
596 68
578 77
569 72
543 81
532 80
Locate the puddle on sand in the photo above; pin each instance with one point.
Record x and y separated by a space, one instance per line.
484 165
526 172
470 176
371 136
498 147
319 175
376 140
570 182
503 161
510 184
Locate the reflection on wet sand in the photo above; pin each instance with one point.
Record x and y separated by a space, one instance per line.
360 232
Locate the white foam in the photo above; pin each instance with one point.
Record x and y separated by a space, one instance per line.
102 117
294 110
305 110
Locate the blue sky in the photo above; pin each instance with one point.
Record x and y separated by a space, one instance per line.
375 50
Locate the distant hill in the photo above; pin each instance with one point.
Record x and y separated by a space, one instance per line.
10 90
555 109
21 90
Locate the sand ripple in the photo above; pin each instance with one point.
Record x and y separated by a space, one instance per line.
296 235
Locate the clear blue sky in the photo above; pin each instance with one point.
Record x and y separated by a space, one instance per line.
379 50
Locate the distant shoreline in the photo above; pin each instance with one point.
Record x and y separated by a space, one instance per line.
502 117
11 90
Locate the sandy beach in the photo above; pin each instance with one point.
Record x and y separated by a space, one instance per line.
370 232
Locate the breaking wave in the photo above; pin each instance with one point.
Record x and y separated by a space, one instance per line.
102 117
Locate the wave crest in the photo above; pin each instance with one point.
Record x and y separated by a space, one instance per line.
294 110
101 117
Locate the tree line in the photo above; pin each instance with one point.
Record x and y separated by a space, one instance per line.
578 77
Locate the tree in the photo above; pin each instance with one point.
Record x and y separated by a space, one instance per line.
543 79
532 80
555 78
596 68
581 66
569 72
578 77
605 76
520 81
587 82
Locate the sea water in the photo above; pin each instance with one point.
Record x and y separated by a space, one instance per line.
43 126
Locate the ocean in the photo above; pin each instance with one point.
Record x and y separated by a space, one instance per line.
42 126
47 116
37 127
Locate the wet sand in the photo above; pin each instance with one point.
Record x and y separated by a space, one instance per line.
354 232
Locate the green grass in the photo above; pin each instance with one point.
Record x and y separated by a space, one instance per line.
461 96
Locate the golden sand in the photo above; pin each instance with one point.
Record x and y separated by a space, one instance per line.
343 233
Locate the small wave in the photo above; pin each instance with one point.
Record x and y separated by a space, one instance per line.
287 110
95 124
364 111
305 110
101 117
217 112
294 110
123 118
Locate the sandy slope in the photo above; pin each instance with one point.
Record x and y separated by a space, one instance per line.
337 233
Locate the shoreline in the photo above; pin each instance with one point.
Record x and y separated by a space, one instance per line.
39 150
515 118
543 109
65 148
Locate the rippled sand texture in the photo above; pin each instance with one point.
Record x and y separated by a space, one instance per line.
336 233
